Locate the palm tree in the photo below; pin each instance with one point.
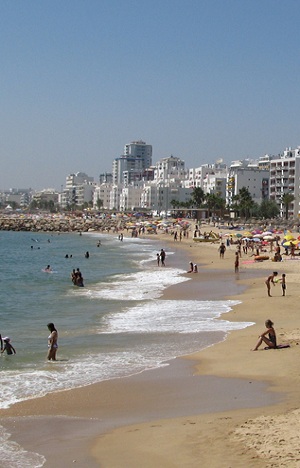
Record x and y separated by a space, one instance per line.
243 203
286 200
198 196
211 202
174 204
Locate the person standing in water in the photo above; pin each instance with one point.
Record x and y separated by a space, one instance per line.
162 257
8 347
52 342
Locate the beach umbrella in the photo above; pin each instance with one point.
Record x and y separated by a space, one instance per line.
286 244
268 237
256 239
239 235
267 233
289 237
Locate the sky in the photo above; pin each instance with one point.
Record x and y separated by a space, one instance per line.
197 79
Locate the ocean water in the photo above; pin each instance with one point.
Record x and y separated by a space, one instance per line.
117 325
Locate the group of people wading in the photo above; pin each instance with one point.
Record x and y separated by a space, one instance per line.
77 278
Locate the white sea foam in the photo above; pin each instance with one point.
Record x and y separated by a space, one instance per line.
174 316
164 330
146 284
14 456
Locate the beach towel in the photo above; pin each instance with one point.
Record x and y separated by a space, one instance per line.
280 346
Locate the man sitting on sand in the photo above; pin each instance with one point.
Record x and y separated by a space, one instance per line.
270 280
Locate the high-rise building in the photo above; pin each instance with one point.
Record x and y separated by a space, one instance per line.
132 164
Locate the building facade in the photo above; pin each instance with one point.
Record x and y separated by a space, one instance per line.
284 179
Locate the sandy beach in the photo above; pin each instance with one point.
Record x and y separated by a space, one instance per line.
225 406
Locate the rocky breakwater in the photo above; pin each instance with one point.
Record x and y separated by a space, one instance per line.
58 224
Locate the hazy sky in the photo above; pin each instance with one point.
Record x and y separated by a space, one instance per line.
199 79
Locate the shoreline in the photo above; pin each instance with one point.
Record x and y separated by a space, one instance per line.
207 363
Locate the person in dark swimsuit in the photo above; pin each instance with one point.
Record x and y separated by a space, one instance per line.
271 339
8 347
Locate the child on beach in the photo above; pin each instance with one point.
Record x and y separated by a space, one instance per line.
271 341
8 347
270 280
283 284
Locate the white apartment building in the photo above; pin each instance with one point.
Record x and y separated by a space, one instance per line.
197 176
247 174
79 190
130 198
214 184
115 194
158 196
102 192
284 178
170 168
77 179
84 193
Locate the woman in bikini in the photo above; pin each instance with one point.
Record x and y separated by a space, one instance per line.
271 340
52 342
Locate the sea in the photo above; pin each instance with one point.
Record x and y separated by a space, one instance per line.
117 325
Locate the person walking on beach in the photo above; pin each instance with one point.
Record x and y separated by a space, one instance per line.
1 342
222 250
283 284
270 280
52 342
236 262
8 347
158 259
271 340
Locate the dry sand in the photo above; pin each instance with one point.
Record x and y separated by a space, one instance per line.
225 406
